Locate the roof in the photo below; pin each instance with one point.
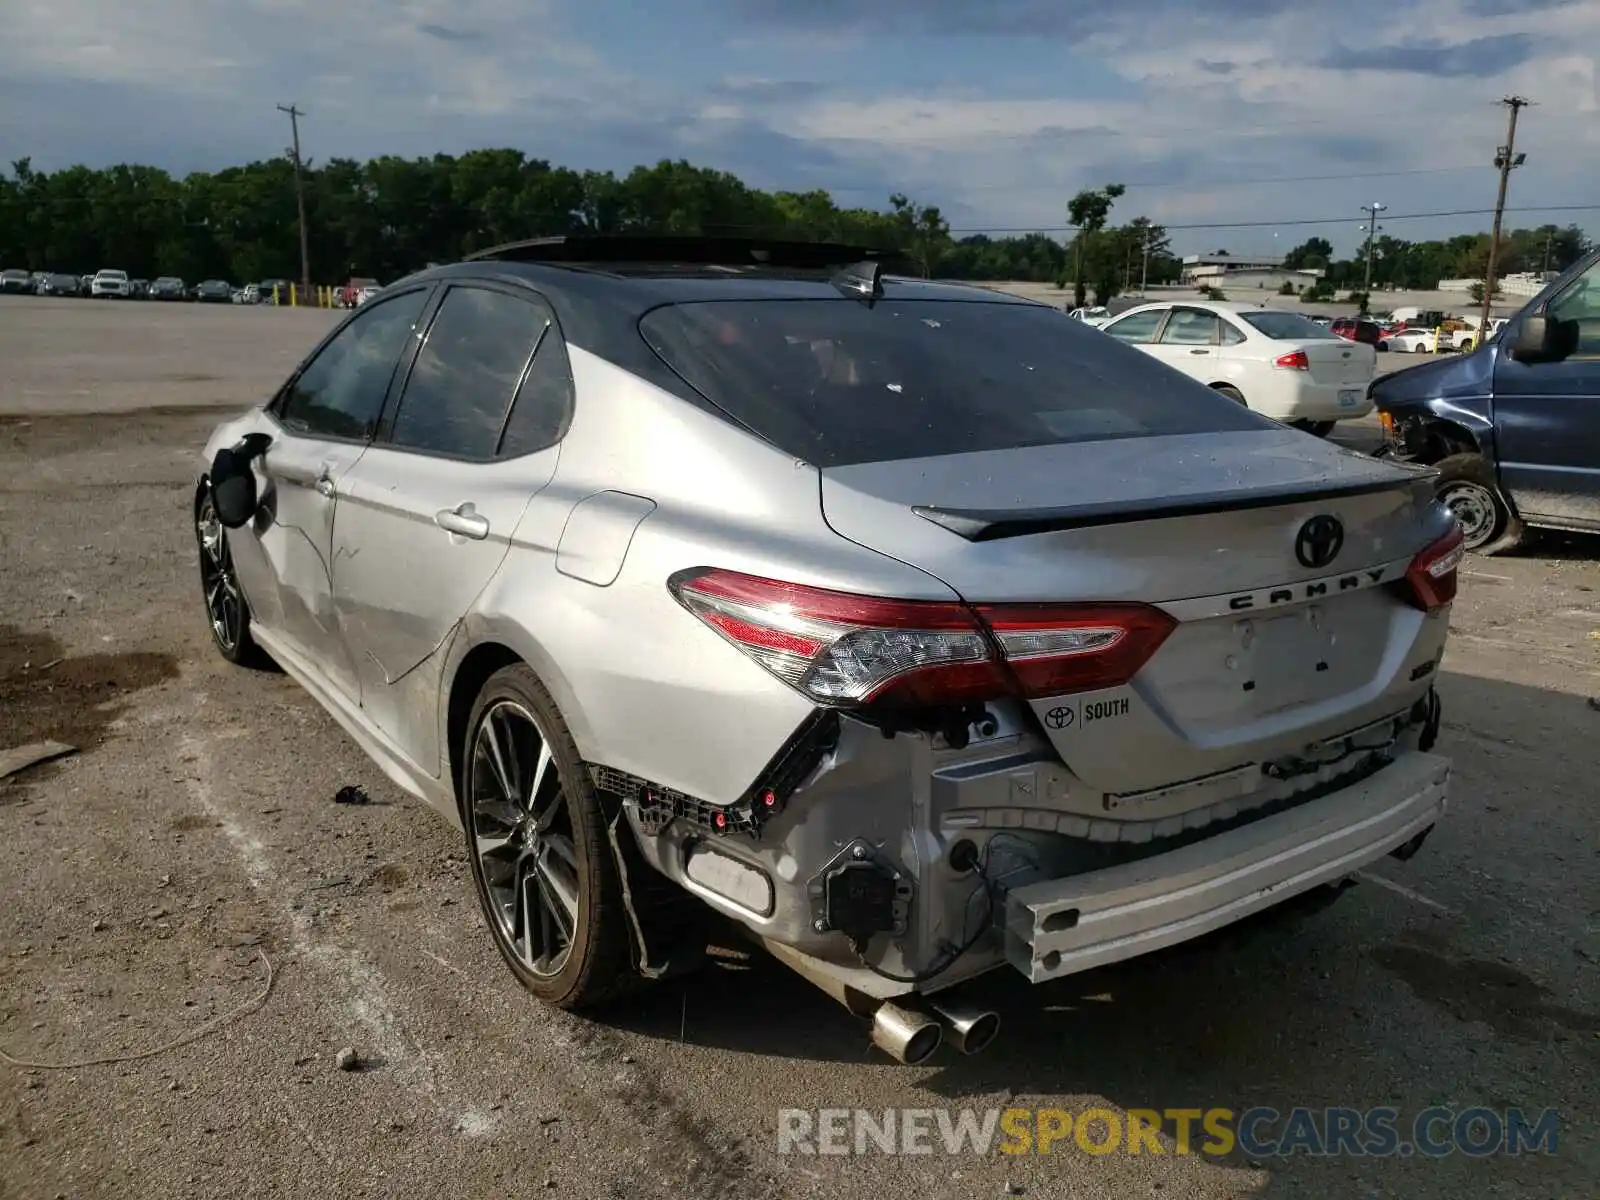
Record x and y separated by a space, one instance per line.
1229 260
598 305
643 286
1219 306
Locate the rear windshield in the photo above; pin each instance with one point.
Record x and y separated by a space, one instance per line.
835 382
1288 327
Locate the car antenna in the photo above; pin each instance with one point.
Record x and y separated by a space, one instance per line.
864 281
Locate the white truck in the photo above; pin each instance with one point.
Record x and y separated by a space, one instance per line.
1464 340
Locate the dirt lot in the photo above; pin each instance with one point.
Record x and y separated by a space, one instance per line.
193 839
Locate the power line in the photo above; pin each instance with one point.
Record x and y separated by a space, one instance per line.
1417 216
1183 183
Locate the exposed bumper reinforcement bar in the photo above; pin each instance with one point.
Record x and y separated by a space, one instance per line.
1063 926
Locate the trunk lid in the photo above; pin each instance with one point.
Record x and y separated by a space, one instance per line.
1269 652
1341 363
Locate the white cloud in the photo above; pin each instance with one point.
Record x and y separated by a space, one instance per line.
1217 96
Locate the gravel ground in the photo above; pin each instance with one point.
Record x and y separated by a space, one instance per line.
192 840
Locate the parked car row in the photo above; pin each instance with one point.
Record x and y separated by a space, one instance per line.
114 284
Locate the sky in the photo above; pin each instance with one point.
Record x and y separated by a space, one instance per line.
1282 117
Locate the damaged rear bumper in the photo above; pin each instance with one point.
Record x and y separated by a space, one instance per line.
1063 926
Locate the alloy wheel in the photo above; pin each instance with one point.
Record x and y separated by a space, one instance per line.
521 829
218 583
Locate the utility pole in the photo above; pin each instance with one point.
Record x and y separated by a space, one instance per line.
299 197
1507 159
1549 237
1372 210
1144 274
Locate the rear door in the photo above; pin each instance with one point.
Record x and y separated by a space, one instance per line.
426 517
325 416
1547 418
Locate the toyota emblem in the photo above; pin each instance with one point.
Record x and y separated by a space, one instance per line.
1319 541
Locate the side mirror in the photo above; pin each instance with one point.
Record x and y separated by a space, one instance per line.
233 483
1542 339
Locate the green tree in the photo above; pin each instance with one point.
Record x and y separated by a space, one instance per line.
1312 254
388 216
1088 212
923 232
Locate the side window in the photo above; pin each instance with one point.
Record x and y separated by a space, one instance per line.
467 371
340 393
1232 335
1580 301
1136 327
1191 327
543 408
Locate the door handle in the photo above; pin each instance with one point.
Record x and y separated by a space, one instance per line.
1199 352
463 520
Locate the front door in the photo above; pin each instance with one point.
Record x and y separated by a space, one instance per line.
324 419
427 515
1190 341
1547 418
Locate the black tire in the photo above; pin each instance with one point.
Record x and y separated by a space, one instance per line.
596 965
227 610
1231 392
1319 429
1467 485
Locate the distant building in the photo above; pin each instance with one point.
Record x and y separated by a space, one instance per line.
1521 284
1226 270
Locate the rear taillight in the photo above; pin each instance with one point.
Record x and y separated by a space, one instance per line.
1431 578
1295 360
1053 649
841 649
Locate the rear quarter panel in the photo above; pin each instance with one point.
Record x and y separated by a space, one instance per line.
645 686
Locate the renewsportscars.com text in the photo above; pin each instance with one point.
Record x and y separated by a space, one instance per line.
1256 1132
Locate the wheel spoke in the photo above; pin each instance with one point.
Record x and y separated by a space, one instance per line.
560 895
545 796
527 894
489 743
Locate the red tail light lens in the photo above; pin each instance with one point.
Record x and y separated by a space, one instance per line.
841 649
1295 360
1054 649
1433 574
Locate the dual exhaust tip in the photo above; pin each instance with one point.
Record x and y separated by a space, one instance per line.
911 1035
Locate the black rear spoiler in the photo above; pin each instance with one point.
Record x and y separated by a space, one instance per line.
988 525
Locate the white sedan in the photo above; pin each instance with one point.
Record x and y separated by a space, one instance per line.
1414 341
1096 316
1277 363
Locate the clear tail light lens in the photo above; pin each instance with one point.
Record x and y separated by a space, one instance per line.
1432 576
844 650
